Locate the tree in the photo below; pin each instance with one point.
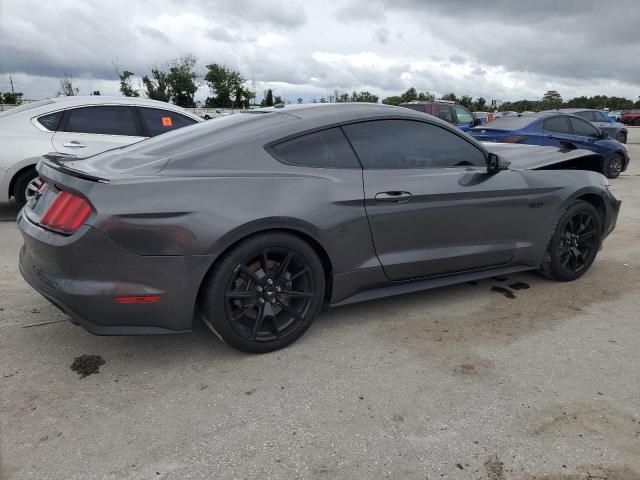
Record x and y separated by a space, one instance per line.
465 101
248 95
267 99
66 87
426 96
278 99
95 92
450 96
11 98
393 100
300 100
181 80
480 104
227 87
157 86
364 96
126 87
551 100
410 95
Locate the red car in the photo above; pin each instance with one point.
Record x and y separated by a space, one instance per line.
631 117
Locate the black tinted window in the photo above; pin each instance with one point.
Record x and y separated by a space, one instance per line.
163 121
327 149
557 124
51 121
583 128
588 116
107 120
444 112
409 144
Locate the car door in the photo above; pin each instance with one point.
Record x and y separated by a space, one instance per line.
87 131
584 133
432 207
157 121
556 131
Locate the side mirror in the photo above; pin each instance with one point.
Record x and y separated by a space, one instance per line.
495 163
603 134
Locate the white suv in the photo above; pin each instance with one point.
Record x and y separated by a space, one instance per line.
82 126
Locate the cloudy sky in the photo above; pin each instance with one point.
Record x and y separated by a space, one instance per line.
501 49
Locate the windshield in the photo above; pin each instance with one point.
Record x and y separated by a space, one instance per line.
24 107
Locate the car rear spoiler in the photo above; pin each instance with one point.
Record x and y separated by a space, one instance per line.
55 160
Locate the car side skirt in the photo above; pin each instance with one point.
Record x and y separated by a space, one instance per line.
347 283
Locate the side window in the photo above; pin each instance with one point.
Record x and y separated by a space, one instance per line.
588 116
162 121
411 144
557 125
324 149
464 116
583 128
601 117
51 121
107 120
444 112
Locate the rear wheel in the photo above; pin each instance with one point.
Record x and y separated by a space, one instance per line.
574 244
265 293
26 186
614 167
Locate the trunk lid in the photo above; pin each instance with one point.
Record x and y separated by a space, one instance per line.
532 157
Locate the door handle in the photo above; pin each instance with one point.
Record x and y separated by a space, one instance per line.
393 197
74 144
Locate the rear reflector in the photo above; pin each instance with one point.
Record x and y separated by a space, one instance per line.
138 299
67 213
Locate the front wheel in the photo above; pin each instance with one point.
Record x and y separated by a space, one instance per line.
265 293
614 167
574 244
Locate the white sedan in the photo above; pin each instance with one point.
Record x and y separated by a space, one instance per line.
82 126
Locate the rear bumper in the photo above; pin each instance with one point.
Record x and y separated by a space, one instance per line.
613 209
83 273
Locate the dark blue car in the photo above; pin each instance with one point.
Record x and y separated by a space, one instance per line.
560 130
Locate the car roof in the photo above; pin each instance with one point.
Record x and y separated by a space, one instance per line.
77 100
574 110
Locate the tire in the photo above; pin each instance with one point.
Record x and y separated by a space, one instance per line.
24 180
578 230
257 305
614 167
621 137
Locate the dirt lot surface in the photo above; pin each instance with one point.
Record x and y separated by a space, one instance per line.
465 382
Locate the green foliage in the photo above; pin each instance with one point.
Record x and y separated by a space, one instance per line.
451 97
181 80
410 95
551 100
226 86
267 98
157 87
11 98
300 100
278 99
126 87
394 100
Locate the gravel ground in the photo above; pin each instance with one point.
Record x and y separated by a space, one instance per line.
456 383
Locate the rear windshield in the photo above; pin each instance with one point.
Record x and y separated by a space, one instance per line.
24 107
509 123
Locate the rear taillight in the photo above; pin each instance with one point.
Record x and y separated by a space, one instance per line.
515 139
67 213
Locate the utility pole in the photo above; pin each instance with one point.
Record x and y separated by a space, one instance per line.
11 80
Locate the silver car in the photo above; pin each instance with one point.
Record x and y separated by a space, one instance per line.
79 125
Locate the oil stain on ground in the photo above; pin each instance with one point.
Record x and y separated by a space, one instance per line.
504 291
86 365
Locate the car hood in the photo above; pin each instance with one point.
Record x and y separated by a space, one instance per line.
532 157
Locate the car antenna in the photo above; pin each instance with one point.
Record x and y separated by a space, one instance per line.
279 105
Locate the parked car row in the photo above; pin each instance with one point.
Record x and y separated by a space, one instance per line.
558 129
631 117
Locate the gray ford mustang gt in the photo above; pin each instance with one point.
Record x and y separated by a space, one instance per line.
256 220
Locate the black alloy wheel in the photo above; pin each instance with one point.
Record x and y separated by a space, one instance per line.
574 244
266 293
